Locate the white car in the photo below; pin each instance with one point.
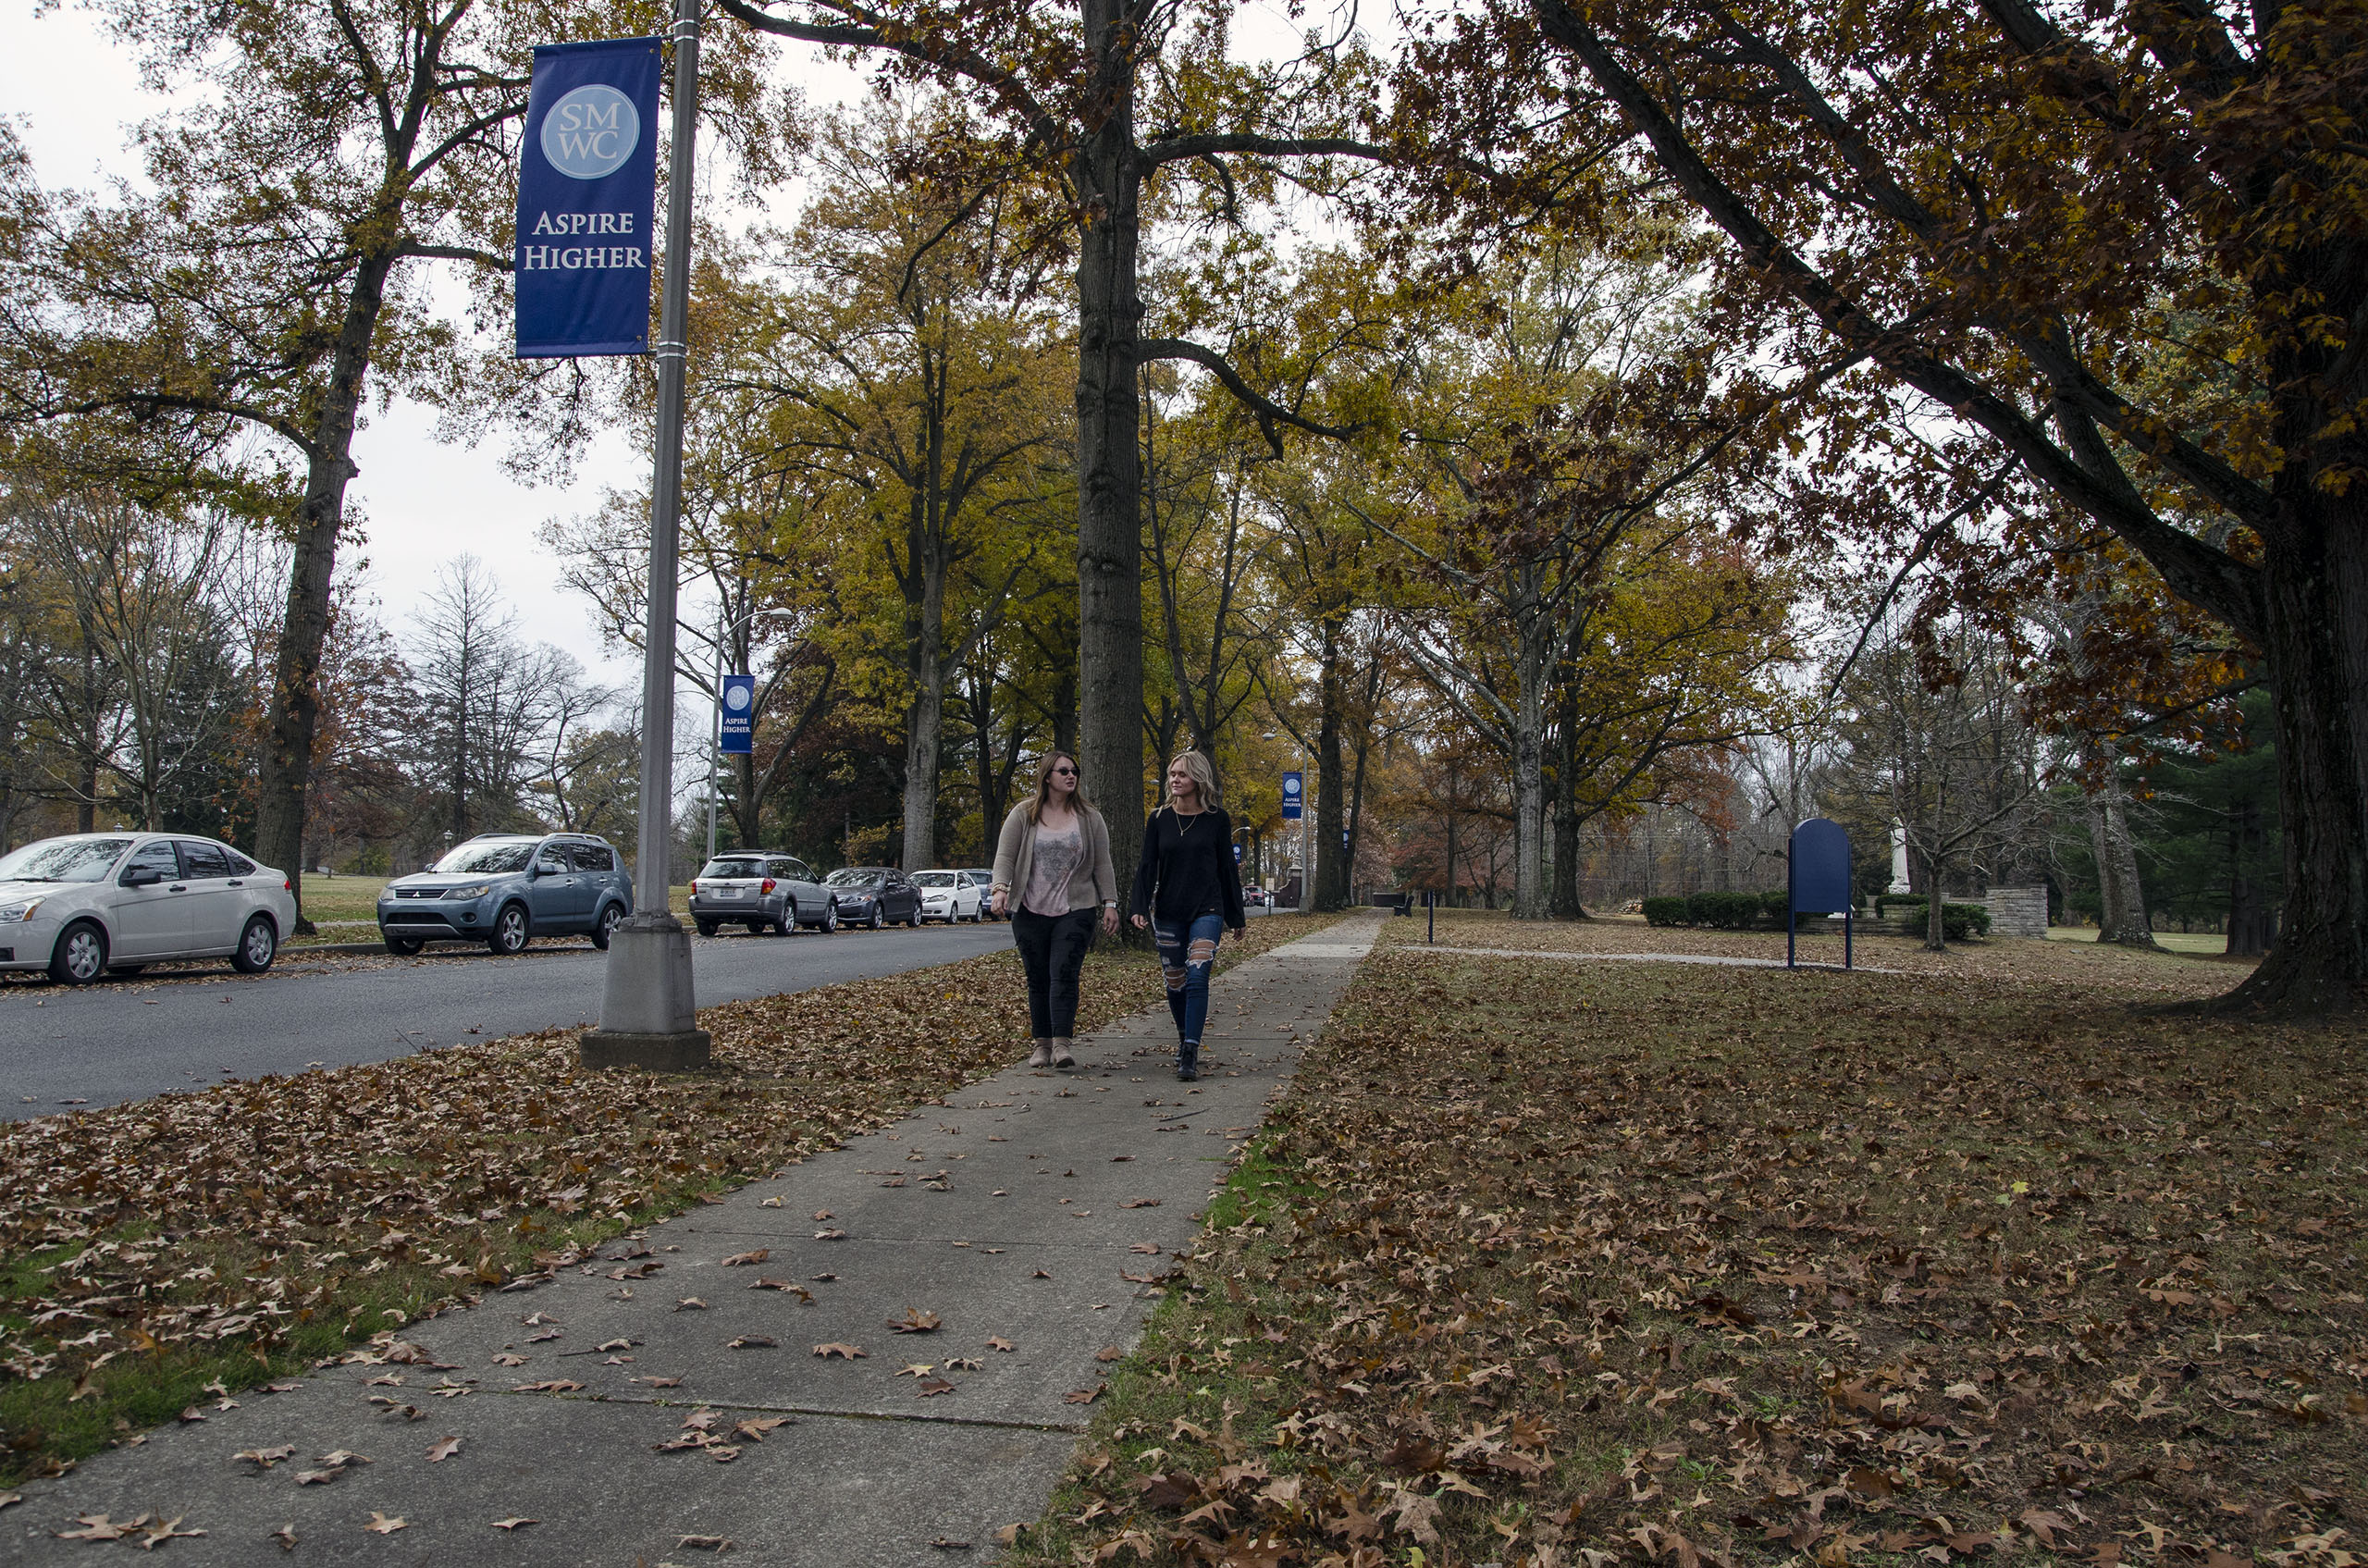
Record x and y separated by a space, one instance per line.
95 903
950 897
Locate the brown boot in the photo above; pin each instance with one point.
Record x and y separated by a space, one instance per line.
1061 1057
1042 1055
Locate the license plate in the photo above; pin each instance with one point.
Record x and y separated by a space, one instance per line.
731 892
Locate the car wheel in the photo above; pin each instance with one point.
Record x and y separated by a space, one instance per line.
81 956
876 921
829 919
404 946
606 926
509 934
706 928
258 945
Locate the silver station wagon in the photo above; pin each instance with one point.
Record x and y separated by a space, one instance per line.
763 891
113 903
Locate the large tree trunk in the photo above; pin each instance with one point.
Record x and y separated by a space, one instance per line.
2123 917
921 731
2316 581
1566 904
2251 929
1936 937
1109 470
1529 780
1332 869
291 718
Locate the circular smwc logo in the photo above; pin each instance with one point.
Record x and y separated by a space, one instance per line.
736 698
590 132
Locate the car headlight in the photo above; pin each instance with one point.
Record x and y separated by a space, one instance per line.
477 892
23 911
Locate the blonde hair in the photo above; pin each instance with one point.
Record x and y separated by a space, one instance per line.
1204 779
1044 766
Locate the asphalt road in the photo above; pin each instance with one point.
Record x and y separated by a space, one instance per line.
200 1024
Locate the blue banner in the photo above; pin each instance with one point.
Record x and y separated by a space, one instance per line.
587 200
1291 798
739 715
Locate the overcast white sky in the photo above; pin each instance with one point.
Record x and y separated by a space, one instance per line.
75 97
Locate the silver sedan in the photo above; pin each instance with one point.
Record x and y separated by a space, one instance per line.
92 904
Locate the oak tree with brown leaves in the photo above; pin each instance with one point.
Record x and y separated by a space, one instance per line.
2123 242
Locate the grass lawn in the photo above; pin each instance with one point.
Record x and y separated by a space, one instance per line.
1558 1262
346 908
151 1252
343 909
2201 943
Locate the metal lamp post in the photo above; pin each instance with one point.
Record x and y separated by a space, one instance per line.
1306 817
715 734
647 1017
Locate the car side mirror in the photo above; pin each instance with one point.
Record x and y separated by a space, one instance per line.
143 876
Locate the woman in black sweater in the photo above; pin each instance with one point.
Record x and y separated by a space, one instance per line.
1188 892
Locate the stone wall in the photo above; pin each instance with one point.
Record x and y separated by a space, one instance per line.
2017 911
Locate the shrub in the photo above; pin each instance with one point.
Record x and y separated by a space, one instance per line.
1724 911
1959 923
1664 912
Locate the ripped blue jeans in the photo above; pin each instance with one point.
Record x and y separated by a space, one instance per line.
1186 953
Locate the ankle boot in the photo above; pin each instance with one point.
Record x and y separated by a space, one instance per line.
1187 1061
1042 1055
1061 1057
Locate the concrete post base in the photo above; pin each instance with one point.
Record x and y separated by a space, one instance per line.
647 1018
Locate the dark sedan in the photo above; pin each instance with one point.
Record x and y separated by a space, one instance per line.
875 897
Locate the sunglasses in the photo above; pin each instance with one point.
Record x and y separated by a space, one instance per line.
1065 772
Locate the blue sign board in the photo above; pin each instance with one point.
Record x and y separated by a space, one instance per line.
587 200
1291 795
1236 854
1817 878
739 715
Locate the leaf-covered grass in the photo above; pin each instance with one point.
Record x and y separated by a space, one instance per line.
245 1231
1597 1263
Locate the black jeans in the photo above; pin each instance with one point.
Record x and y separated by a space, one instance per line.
1052 950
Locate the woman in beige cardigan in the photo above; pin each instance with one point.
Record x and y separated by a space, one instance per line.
1053 874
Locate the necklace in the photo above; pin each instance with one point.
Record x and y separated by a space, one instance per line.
1187 822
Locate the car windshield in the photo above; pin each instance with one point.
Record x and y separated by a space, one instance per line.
854 877
722 868
935 879
64 860
512 856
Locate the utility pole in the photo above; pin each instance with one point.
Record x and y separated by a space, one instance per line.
647 1016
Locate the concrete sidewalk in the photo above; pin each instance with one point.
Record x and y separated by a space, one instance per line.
633 1403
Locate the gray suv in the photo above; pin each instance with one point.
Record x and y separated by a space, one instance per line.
504 889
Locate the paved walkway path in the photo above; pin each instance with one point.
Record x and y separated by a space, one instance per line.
1726 962
1029 1214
